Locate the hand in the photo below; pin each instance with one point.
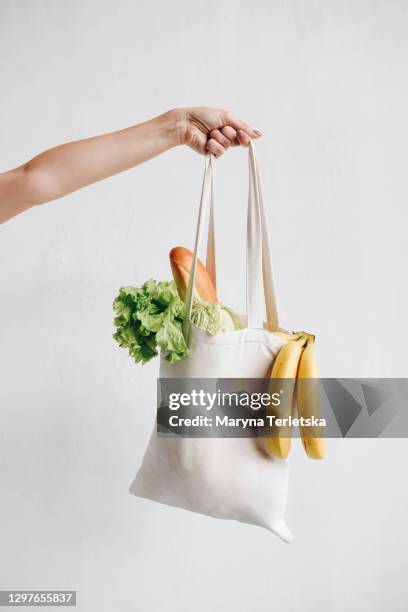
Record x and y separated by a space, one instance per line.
212 130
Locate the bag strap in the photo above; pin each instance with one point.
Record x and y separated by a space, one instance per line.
258 264
210 261
258 254
206 196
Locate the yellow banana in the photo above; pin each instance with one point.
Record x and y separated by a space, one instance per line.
308 400
285 367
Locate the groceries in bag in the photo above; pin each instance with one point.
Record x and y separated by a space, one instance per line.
150 317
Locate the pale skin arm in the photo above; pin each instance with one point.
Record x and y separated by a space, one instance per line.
74 165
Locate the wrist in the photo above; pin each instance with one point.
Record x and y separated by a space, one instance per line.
175 125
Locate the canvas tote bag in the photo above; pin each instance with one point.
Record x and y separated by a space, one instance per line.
228 478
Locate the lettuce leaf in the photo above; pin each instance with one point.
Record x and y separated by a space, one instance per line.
214 318
148 318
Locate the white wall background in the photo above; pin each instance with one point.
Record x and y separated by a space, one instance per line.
326 81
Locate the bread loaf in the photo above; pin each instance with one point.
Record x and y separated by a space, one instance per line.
181 260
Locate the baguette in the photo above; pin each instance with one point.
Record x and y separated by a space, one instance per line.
181 260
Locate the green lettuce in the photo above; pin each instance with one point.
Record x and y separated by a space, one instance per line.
214 318
148 318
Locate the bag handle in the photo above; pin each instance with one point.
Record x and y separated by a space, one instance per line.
258 254
258 264
210 261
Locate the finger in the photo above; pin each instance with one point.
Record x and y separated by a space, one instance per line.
215 148
231 134
243 138
199 143
219 137
237 124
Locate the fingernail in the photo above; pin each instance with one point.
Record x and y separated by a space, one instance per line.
258 132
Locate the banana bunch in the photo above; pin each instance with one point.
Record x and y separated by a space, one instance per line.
296 363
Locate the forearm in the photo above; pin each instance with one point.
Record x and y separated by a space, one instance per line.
70 166
77 164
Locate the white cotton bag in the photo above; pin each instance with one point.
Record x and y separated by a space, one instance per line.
228 478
